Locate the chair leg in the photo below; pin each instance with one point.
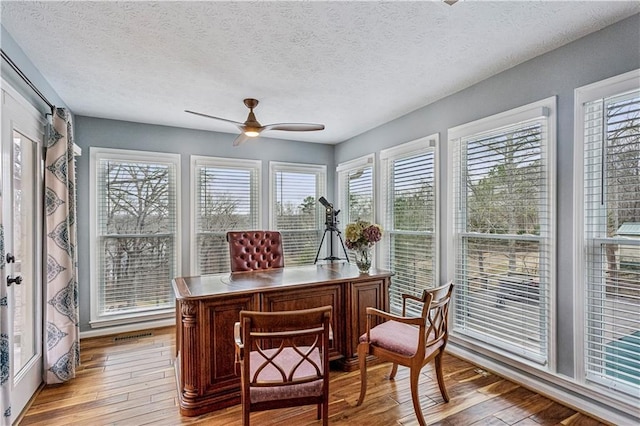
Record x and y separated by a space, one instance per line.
443 389
245 416
319 412
394 371
415 396
325 413
363 350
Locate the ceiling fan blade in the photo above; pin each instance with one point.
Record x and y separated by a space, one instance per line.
240 139
215 118
294 127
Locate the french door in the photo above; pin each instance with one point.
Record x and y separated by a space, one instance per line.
22 188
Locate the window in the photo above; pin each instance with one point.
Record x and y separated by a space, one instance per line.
503 219
134 234
355 186
227 198
355 194
295 211
608 268
409 217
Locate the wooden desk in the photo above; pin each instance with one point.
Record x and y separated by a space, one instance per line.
207 307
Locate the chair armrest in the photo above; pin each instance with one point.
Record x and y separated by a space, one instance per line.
392 317
239 347
406 297
412 297
238 340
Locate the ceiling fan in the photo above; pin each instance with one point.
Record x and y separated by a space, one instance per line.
251 128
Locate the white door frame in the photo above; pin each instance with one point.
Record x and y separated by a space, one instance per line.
19 115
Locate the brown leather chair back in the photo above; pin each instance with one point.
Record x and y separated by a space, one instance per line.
254 250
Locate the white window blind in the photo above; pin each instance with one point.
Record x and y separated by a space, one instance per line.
295 210
503 252
408 191
227 199
612 241
356 195
136 233
356 191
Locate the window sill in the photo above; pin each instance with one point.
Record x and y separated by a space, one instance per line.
132 318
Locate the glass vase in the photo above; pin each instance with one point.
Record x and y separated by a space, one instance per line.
363 259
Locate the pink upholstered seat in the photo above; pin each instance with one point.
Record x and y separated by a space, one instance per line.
286 360
254 250
409 341
399 338
288 363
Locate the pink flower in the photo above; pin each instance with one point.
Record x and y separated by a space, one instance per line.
372 234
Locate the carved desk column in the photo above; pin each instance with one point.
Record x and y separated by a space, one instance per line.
190 350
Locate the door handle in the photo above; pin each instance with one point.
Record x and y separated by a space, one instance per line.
11 258
11 280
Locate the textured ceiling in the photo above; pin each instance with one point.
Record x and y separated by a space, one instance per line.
350 65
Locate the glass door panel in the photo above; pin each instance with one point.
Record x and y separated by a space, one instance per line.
24 246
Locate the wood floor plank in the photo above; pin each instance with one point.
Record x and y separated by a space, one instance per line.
101 415
553 414
57 404
529 405
147 387
131 381
579 419
45 415
484 411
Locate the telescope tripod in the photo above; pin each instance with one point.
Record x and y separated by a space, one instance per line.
331 230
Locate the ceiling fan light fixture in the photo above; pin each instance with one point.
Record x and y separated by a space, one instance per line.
252 133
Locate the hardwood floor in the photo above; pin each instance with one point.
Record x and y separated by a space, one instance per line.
129 380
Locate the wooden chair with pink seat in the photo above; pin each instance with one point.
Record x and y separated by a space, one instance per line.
283 360
409 341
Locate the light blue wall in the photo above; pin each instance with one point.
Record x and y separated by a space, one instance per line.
96 132
606 53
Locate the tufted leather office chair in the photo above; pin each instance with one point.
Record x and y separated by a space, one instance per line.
254 250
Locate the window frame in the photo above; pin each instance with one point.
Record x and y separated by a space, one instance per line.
320 170
602 89
342 171
407 149
546 107
222 162
97 154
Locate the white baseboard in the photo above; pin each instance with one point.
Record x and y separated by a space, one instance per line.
554 387
106 331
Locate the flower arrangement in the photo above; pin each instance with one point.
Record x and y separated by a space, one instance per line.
361 234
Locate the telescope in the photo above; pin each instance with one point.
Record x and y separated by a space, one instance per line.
331 222
331 215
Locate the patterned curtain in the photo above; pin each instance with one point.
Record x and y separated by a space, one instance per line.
5 383
62 354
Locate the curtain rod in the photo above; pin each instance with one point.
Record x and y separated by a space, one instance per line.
26 79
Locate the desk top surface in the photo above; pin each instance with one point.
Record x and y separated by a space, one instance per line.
270 279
